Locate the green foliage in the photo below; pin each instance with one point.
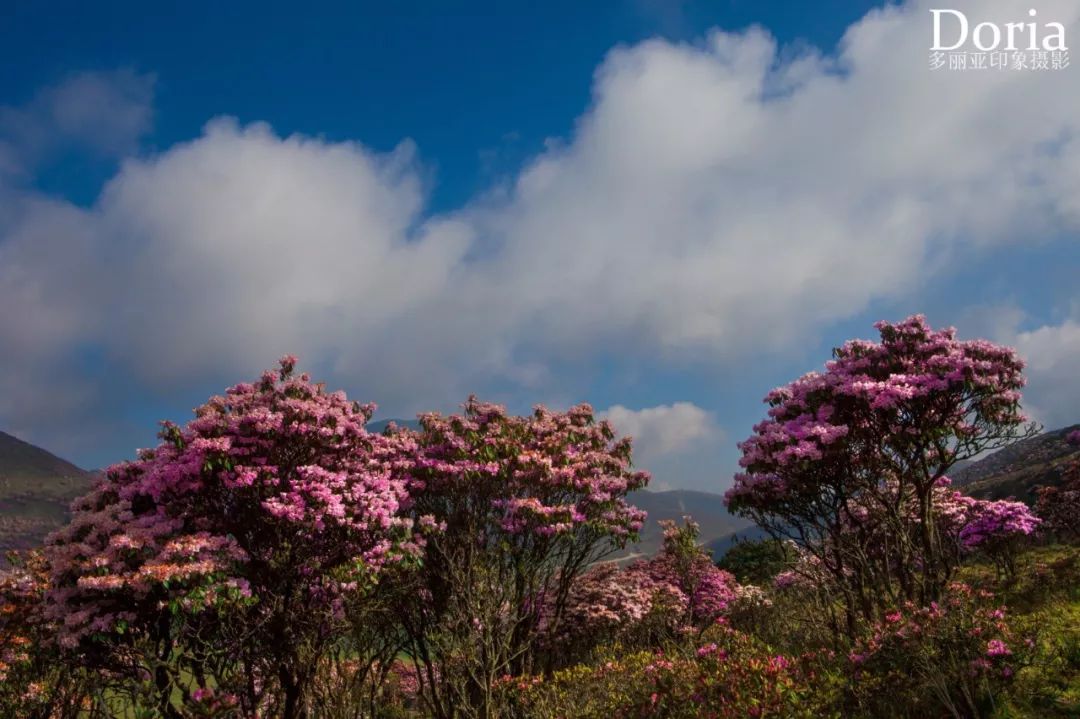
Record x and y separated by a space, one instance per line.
756 561
957 656
723 674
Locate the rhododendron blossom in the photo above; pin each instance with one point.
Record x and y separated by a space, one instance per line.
273 503
678 590
855 456
997 521
527 502
546 474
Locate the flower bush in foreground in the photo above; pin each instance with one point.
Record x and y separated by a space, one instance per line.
233 544
856 453
956 655
34 681
524 504
725 674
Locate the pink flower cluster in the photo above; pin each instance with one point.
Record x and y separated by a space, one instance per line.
679 587
21 622
997 521
877 390
965 637
274 484
547 474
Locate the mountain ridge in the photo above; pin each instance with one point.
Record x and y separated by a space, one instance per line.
36 488
1017 470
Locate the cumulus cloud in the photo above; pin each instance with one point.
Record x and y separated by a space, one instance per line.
239 245
718 199
664 429
1053 371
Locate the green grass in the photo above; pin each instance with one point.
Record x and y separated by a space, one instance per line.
1045 602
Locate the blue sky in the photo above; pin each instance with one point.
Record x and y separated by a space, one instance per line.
650 206
478 86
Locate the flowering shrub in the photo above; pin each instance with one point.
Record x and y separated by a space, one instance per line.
524 505
726 674
34 681
750 609
676 592
705 589
995 528
954 655
997 521
237 539
854 455
611 603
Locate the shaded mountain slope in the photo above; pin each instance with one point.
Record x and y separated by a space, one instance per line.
1017 470
706 508
36 488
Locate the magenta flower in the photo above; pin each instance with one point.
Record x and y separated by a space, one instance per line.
273 487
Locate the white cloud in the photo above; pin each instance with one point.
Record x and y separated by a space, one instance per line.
664 429
240 245
715 201
1053 371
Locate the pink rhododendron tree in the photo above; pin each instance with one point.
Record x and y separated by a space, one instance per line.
527 503
610 603
239 540
34 679
683 565
995 528
678 591
856 453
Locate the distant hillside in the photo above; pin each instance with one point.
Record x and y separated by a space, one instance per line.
380 424
706 508
720 545
36 488
1018 469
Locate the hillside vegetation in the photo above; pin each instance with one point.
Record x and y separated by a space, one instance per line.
1019 469
36 488
274 558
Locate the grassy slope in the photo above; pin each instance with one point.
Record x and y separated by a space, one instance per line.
36 488
1044 601
1018 469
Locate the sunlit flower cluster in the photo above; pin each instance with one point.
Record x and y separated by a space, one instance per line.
278 473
